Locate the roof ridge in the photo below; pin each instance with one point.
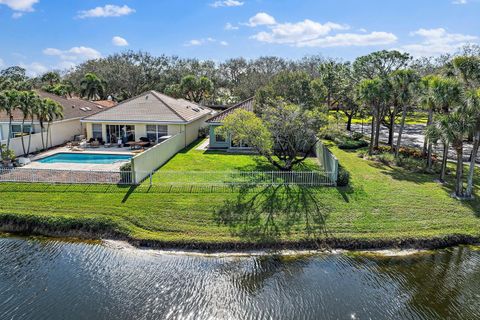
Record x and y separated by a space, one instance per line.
238 104
155 94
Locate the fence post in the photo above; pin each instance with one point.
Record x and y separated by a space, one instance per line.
151 178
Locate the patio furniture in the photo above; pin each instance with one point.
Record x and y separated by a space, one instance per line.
138 145
107 145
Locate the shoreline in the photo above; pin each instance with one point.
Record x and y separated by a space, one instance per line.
326 244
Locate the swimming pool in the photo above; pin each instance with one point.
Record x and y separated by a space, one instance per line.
92 158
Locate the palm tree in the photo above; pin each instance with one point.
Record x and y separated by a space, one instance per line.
404 83
436 132
28 103
453 129
53 111
473 110
92 87
372 92
9 101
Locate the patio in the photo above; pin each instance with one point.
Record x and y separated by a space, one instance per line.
81 166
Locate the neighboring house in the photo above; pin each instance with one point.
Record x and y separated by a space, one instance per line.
150 115
219 140
61 130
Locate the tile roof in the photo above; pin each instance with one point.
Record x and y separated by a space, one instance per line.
73 108
154 107
246 105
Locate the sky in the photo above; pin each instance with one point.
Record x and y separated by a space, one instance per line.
41 35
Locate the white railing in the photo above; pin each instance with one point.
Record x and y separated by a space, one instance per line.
216 178
173 178
65 176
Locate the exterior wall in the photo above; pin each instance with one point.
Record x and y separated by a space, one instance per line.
193 128
217 144
152 159
60 133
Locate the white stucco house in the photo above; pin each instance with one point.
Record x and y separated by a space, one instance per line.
151 115
61 130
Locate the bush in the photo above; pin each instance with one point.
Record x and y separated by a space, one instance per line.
351 144
386 158
343 177
357 136
203 132
126 173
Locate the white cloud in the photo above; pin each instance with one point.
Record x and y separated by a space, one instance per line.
230 26
459 1
34 69
261 19
199 42
224 43
20 5
436 42
295 33
308 33
108 10
227 3
351 39
73 54
119 41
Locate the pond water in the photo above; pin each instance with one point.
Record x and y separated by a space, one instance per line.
46 279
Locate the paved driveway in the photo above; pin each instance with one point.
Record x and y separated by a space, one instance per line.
413 136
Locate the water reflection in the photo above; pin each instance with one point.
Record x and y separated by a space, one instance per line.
58 280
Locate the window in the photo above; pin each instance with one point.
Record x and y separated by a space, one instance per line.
154 132
219 135
97 131
17 130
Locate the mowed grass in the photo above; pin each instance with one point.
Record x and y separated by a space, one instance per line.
193 165
381 203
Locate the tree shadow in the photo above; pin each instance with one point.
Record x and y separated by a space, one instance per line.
273 212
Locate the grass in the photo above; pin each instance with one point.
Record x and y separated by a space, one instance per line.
413 118
214 164
381 203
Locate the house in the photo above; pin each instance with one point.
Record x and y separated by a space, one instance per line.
219 140
61 130
150 115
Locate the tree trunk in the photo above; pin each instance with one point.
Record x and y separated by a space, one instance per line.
9 132
372 135
391 128
471 170
377 130
459 174
444 162
30 137
23 141
349 121
400 131
429 122
48 133
41 135
429 157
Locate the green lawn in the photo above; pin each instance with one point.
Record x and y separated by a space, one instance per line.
215 165
381 203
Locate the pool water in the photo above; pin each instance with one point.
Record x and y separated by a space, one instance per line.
93 158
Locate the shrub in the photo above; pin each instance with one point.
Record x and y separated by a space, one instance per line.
126 173
203 132
351 144
343 177
357 135
386 158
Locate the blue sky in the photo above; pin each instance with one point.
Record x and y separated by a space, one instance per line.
45 34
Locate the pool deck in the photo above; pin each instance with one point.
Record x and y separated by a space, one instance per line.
80 166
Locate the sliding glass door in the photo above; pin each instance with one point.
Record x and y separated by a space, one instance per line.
124 132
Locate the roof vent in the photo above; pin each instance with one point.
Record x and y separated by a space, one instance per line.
146 97
73 106
196 109
99 107
88 108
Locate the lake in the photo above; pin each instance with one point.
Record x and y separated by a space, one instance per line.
50 279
